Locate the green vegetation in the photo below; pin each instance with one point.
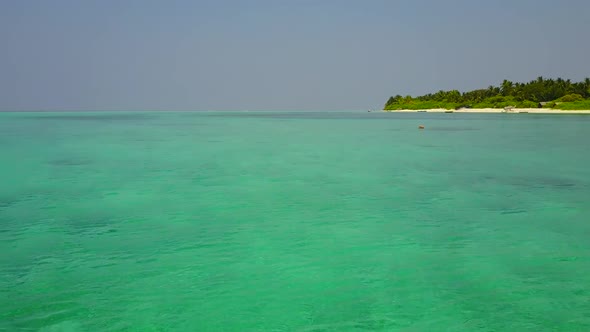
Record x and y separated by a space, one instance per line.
548 93
572 106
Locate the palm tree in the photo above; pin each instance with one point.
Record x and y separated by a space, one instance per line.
506 88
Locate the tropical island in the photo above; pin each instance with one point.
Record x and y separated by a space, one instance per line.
543 94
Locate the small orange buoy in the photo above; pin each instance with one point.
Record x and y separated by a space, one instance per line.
420 127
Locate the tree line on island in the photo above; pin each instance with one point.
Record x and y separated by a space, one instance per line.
547 93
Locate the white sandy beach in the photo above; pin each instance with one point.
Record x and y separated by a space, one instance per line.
497 110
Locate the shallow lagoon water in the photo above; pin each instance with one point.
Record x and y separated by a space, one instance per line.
294 221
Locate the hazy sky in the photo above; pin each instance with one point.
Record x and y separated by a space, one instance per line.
277 54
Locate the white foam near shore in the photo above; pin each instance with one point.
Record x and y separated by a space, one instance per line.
496 110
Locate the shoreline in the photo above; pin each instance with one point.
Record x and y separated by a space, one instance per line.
494 110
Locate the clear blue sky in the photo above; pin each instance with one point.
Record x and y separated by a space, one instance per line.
277 54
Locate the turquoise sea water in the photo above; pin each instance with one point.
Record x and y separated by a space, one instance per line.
294 221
